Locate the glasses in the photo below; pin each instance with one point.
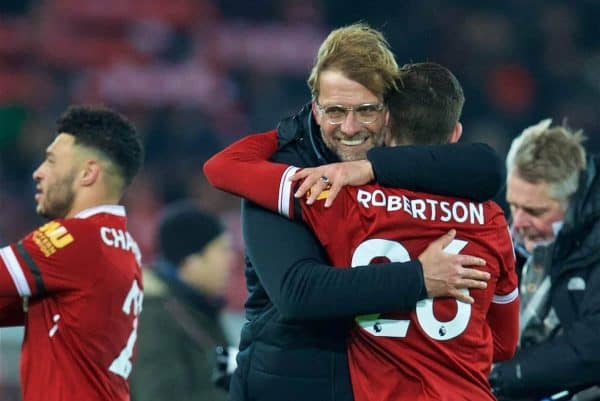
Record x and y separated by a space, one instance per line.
366 113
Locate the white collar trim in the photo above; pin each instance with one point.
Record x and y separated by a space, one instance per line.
117 210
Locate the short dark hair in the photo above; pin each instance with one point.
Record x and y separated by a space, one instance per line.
427 104
107 131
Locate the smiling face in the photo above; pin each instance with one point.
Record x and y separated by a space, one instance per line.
55 177
533 210
351 139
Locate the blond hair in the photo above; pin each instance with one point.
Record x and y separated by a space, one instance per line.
361 54
554 155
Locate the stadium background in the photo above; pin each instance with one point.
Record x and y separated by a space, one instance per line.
195 75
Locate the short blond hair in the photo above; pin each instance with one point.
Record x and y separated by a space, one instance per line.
554 155
361 54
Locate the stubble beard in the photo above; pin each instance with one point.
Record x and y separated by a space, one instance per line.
533 238
375 138
58 199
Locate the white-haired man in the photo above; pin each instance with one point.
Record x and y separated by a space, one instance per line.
553 190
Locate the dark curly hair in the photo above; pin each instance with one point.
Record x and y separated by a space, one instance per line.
107 131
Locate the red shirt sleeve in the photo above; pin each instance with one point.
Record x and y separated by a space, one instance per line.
47 260
503 315
244 169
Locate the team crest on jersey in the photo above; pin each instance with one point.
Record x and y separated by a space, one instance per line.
323 195
51 236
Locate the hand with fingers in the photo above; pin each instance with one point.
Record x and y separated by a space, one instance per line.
332 177
445 274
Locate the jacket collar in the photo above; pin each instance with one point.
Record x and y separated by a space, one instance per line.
579 238
303 127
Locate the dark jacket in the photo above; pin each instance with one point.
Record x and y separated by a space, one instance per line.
299 309
569 359
177 334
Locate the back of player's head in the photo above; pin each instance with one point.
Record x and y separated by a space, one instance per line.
361 54
184 229
427 105
107 132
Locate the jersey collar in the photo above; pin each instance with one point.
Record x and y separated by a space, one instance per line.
117 210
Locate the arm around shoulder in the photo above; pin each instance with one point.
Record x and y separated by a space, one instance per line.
473 171
244 169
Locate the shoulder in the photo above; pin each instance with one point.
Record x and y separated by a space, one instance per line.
60 235
292 128
87 232
495 212
87 226
299 141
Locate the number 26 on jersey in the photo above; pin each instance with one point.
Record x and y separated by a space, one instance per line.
434 328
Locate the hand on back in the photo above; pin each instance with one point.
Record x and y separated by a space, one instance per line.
445 273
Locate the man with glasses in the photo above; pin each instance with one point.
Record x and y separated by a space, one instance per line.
299 308
418 354
365 113
349 136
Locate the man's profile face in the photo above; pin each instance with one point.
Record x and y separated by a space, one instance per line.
351 139
533 210
55 179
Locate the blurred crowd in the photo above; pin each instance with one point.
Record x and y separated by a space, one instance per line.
194 75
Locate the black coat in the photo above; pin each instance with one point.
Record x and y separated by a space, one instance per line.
177 334
570 360
299 309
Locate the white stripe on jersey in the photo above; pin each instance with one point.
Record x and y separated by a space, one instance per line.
15 270
285 192
506 299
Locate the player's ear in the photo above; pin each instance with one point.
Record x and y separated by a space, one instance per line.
456 133
90 172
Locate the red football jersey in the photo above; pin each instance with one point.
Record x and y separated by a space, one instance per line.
443 349
82 287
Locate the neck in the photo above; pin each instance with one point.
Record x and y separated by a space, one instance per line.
86 200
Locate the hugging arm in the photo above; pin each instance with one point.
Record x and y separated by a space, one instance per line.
472 171
243 169
280 250
293 270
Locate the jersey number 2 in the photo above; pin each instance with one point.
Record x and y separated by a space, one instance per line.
434 328
132 305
